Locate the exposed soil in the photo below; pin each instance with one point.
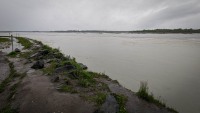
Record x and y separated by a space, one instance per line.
37 94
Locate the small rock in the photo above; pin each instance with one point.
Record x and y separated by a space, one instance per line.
74 75
99 85
40 54
38 65
43 52
35 55
83 66
35 47
13 97
49 61
17 50
58 55
67 82
64 68
28 61
56 79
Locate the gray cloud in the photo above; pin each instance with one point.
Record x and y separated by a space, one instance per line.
173 13
98 14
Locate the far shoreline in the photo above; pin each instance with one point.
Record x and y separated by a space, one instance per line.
150 31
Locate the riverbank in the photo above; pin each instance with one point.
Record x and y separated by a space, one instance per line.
44 77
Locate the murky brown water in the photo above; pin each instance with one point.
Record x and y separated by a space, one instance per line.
169 62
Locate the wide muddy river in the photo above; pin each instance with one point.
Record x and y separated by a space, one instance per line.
170 63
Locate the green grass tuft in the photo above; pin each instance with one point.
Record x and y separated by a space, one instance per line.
98 75
5 82
25 42
12 75
14 87
121 100
4 40
86 82
143 93
50 69
100 98
12 54
66 88
13 90
8 109
86 79
26 54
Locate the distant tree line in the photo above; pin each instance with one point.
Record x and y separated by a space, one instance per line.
168 31
161 31
156 31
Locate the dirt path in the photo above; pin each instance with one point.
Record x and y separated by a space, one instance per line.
38 95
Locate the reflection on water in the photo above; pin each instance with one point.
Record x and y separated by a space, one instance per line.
169 62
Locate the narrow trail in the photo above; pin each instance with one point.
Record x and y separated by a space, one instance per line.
37 94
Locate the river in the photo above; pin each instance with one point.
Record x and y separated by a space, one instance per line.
170 63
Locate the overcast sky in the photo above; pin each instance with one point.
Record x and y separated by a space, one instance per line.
98 14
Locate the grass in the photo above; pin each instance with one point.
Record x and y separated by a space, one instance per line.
14 87
4 40
86 82
8 109
47 47
3 85
66 88
13 90
50 69
100 98
52 53
61 60
12 75
86 79
22 75
143 93
25 42
121 100
12 54
99 75
8 79
26 54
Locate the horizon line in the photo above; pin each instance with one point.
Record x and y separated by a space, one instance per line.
97 30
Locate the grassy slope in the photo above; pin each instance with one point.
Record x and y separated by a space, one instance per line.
25 42
4 40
